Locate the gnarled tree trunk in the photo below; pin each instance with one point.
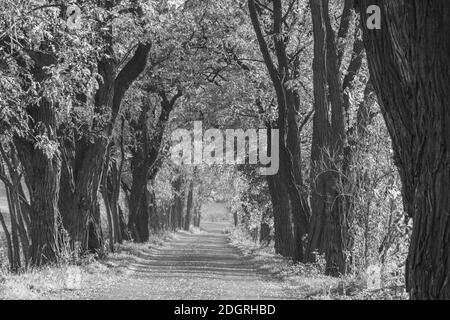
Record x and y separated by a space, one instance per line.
293 203
178 202
409 60
145 165
42 174
84 159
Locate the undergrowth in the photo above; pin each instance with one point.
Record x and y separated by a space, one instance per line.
309 279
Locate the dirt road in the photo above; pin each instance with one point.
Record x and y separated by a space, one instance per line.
196 266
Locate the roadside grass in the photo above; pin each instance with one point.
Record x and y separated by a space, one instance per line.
53 282
76 281
309 279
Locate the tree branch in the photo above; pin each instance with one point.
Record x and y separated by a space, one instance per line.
129 73
262 42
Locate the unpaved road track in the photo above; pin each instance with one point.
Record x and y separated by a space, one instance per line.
196 266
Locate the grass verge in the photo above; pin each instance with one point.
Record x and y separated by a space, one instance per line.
309 279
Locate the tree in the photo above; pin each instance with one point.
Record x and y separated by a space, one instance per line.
84 154
290 204
408 60
149 131
330 150
40 64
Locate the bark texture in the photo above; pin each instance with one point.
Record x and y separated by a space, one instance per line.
148 131
409 62
293 203
84 157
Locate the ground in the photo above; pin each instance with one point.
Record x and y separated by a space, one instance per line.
207 263
199 265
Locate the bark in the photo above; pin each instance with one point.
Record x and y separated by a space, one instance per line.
84 158
123 225
80 182
13 215
14 234
264 230
290 156
145 165
107 202
335 256
189 205
111 187
42 173
329 154
344 27
409 65
284 233
320 136
18 204
41 165
197 214
178 203
110 194
156 217
138 220
9 246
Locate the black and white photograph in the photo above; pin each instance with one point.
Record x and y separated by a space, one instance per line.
224 157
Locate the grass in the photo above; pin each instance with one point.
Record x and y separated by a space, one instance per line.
53 282
68 281
309 279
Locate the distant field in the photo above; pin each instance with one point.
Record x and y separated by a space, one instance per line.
215 212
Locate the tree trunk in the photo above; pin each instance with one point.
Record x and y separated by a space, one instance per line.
197 214
145 162
264 234
113 187
290 156
78 202
320 136
138 220
12 264
409 60
84 158
284 234
14 229
156 222
106 200
43 178
189 204
123 225
329 156
42 174
17 207
178 202
42 165
335 251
